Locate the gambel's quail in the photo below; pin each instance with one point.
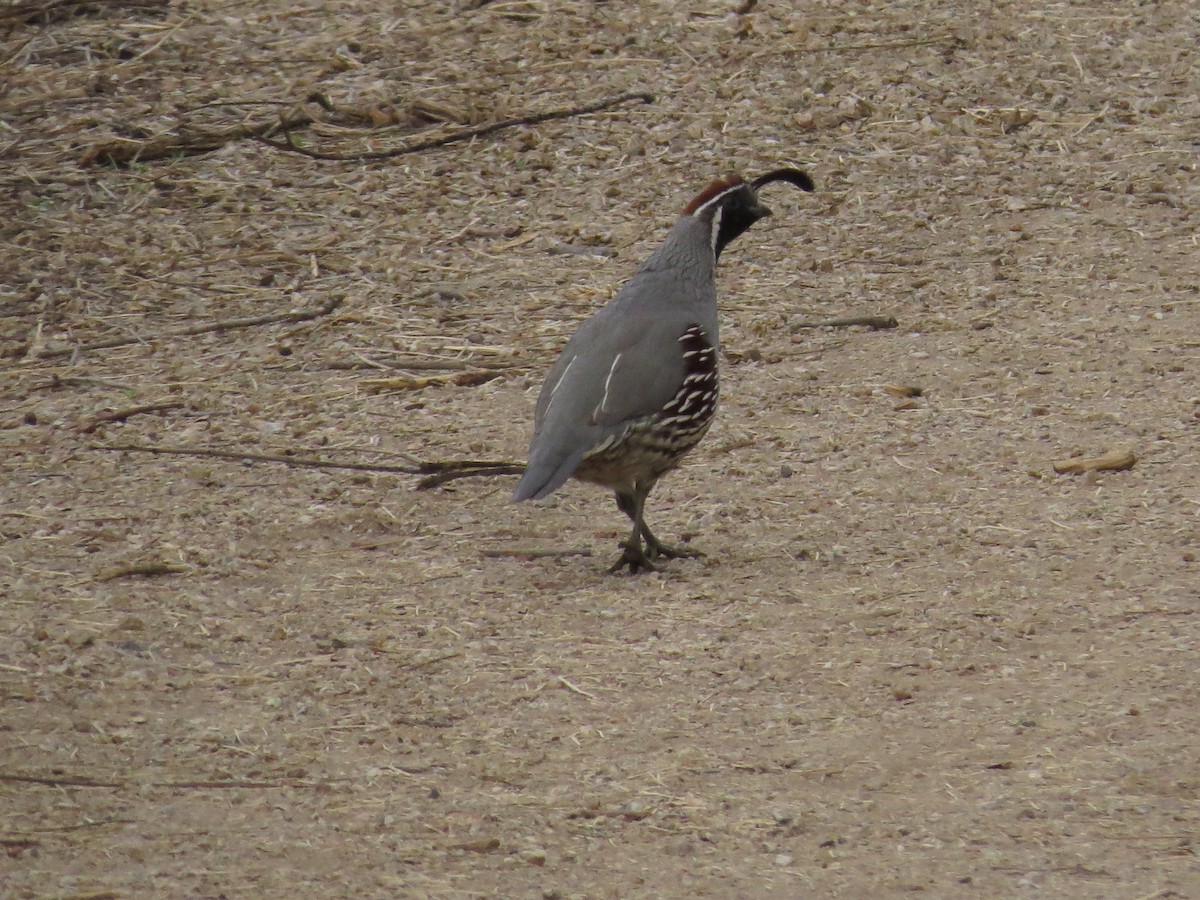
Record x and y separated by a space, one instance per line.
636 387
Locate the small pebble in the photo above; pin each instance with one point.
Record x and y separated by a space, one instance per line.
636 810
535 856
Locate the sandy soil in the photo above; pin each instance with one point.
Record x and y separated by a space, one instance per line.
915 660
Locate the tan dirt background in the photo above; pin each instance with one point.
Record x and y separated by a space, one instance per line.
915 659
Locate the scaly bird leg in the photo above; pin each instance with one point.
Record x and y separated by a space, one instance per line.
633 556
643 547
656 548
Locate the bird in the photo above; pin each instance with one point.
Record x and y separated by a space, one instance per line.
636 386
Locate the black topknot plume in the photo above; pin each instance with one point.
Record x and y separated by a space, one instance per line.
792 176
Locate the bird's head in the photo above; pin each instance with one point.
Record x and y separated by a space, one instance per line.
730 205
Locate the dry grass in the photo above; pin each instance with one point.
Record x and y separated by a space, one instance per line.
915 659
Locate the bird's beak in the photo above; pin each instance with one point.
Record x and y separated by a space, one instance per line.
762 211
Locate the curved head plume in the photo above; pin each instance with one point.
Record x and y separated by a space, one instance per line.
797 177
730 205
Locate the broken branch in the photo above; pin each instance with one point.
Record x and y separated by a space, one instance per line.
238 456
414 383
437 472
120 415
575 689
875 322
57 10
123 152
150 569
297 315
1112 461
452 471
465 134
60 781
532 553
948 39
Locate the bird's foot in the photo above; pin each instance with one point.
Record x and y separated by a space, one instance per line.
656 548
638 558
634 558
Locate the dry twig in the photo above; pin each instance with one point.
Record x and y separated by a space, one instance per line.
1112 461
452 471
124 151
57 10
60 780
297 315
397 383
421 664
946 39
437 472
150 569
192 142
575 689
532 553
75 781
465 134
875 322
120 415
417 364
78 826
239 456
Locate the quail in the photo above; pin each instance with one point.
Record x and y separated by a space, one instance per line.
636 387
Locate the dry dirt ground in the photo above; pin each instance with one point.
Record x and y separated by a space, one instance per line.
915 660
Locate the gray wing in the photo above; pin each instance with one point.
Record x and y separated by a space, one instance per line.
620 366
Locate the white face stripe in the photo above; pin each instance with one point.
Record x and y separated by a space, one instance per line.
716 227
717 199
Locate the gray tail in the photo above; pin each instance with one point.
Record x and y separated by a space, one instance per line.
541 480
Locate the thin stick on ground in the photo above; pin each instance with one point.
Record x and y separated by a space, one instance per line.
76 781
60 781
437 472
120 415
465 134
416 364
124 151
894 45
149 569
532 553
240 456
1115 460
57 10
575 689
78 826
876 322
225 785
452 471
296 315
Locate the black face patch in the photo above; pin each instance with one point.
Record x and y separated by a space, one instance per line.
728 206
735 213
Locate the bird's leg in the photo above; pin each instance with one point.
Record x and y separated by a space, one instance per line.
633 555
642 546
656 548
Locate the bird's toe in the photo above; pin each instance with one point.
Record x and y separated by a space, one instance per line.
634 559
